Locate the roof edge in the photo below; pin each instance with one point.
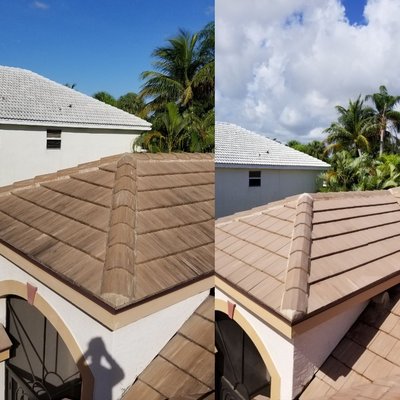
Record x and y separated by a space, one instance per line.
294 303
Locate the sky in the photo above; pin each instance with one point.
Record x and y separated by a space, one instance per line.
283 66
100 45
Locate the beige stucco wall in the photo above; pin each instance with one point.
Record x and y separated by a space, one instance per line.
233 193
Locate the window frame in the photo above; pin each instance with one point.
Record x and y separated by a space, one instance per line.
254 178
53 139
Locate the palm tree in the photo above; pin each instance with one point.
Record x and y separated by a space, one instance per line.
352 130
183 70
201 132
171 133
132 103
384 113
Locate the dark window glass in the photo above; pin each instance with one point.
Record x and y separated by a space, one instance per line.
254 178
53 139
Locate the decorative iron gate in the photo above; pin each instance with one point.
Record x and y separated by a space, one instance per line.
40 367
240 371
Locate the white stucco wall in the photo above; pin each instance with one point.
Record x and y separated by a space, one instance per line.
280 348
23 152
233 193
132 347
313 347
297 359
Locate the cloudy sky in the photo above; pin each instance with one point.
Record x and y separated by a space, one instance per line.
282 66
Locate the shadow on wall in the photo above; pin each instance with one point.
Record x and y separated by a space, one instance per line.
107 373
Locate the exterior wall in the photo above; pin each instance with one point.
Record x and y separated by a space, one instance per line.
313 347
233 193
2 369
129 349
280 348
23 152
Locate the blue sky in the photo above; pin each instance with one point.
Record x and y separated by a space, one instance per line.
97 44
354 11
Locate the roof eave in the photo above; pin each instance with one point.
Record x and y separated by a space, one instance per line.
76 125
271 166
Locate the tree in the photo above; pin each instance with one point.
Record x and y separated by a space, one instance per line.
171 133
352 130
131 103
384 114
315 148
105 97
183 71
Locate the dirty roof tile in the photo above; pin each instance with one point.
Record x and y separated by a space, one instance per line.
84 224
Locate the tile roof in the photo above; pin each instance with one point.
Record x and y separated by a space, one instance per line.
238 146
27 98
184 369
366 362
307 253
123 228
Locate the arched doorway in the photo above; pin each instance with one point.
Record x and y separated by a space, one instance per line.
40 366
241 373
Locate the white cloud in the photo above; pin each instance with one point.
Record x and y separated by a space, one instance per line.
40 5
281 67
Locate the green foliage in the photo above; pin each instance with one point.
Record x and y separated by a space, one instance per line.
384 115
361 173
353 129
105 97
183 71
315 148
180 93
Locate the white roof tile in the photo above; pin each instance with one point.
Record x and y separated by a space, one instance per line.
236 146
27 98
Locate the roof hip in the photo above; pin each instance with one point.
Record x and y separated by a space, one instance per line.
295 296
119 274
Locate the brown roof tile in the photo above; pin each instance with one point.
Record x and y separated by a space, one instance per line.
122 228
368 353
184 369
324 248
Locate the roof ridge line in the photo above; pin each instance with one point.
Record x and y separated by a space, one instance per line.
118 282
294 302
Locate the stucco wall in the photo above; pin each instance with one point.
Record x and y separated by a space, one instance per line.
279 347
314 346
131 347
23 152
233 193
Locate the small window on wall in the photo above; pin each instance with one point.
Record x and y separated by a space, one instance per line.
254 178
53 139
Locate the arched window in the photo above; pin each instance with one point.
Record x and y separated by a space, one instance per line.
40 367
240 371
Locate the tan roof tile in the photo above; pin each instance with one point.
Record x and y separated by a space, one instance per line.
349 242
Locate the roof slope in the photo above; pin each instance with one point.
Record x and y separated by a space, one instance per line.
238 146
122 229
184 369
366 361
27 98
307 253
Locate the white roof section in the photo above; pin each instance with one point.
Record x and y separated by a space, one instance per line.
27 98
238 147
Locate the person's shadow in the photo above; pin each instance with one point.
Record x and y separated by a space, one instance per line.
105 377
